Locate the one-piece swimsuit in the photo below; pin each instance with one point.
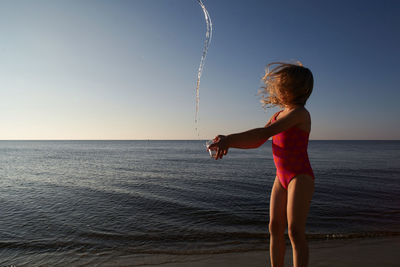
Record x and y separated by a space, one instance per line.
289 149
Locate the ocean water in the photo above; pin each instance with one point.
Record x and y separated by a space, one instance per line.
77 203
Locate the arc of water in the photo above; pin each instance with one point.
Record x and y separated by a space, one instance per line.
203 57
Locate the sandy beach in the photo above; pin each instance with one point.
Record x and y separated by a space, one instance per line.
382 252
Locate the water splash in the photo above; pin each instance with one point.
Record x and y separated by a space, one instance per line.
203 58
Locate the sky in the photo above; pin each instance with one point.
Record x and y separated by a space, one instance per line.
98 69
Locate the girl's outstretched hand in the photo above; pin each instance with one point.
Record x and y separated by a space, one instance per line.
221 145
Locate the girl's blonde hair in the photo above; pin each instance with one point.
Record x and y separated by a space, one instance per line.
286 84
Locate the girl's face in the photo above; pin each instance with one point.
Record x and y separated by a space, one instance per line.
281 97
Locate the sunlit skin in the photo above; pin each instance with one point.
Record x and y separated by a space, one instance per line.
288 208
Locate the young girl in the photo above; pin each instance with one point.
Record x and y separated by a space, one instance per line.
288 86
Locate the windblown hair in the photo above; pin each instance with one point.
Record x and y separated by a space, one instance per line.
286 84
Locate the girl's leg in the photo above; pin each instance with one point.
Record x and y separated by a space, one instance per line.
277 224
300 191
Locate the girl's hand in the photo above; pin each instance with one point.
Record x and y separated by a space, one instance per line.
221 145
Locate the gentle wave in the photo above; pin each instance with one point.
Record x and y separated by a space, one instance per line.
352 235
214 242
40 245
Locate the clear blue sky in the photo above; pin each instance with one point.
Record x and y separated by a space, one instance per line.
127 69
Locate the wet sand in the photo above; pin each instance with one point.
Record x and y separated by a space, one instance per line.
372 252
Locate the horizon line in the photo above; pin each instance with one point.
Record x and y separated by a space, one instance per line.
180 139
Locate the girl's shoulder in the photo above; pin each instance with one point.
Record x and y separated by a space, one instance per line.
303 118
302 111
299 112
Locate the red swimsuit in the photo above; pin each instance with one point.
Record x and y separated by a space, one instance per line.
289 149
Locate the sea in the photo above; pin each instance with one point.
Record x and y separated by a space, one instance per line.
135 203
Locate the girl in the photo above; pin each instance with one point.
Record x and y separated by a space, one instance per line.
288 86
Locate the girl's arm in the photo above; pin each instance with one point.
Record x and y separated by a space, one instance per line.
258 136
249 137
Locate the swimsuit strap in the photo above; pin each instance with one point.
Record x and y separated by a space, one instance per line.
276 114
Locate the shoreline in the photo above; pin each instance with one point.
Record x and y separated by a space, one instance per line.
363 252
366 252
